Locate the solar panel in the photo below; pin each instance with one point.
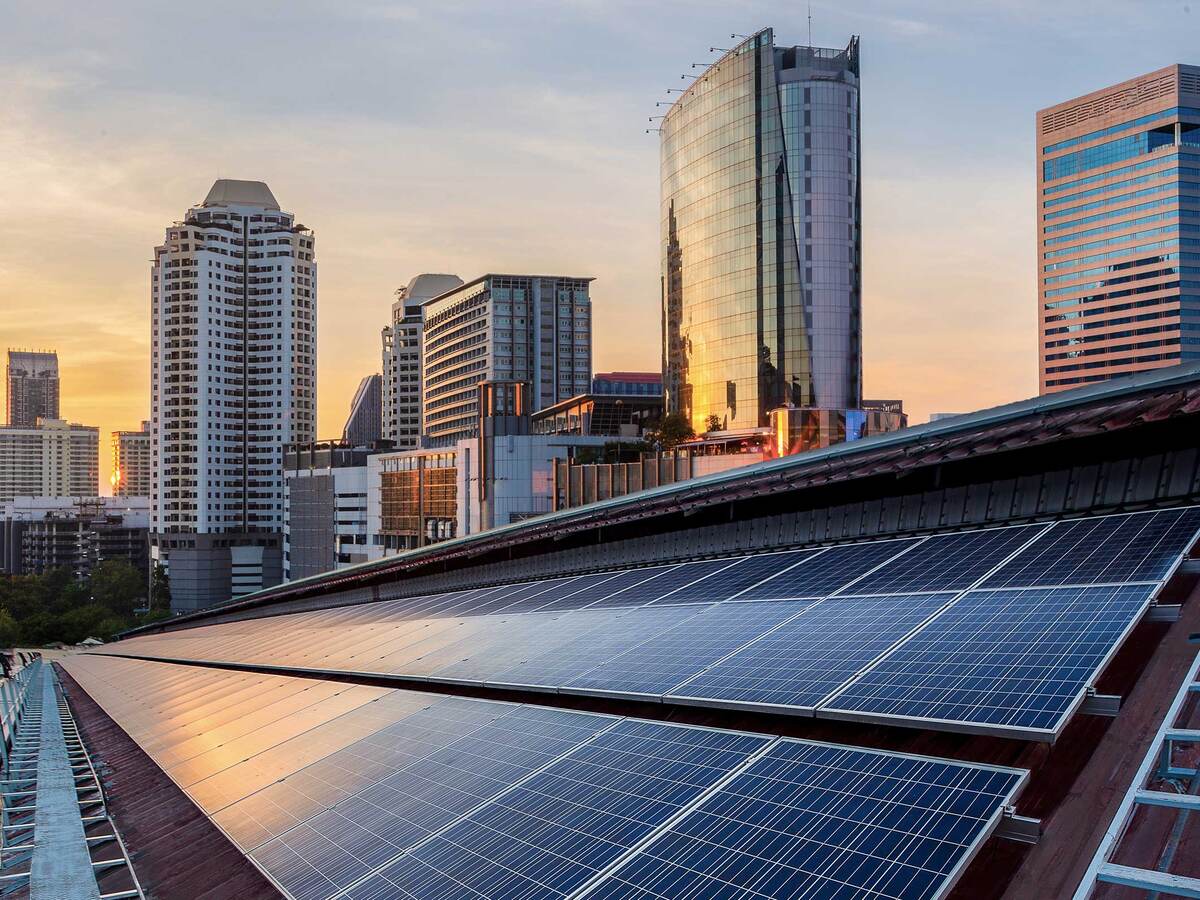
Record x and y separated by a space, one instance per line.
1008 660
815 821
665 582
602 588
1134 547
512 641
826 572
550 667
336 847
813 654
947 562
563 825
659 663
731 581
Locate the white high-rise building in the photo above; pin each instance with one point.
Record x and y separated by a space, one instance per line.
234 364
52 458
402 358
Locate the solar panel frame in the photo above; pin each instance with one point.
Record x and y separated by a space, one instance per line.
768 588
830 710
609 885
752 566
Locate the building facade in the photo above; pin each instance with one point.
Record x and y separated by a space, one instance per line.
638 384
38 534
1119 230
52 458
402 358
325 525
530 328
234 357
132 463
761 236
33 389
364 425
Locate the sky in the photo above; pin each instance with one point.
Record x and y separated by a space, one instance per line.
469 136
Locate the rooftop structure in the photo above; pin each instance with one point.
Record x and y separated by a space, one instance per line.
797 611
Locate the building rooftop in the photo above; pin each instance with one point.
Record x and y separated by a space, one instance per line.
232 192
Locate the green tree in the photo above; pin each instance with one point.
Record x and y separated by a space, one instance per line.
672 430
116 586
10 633
160 588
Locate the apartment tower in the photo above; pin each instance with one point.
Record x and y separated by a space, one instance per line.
32 387
1118 198
402 358
132 463
234 356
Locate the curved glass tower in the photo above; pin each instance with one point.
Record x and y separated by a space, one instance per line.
761 239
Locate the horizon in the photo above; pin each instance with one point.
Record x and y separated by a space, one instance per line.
472 150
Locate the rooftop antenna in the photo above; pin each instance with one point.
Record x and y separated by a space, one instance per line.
810 25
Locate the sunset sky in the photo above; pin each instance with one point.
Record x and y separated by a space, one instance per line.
470 137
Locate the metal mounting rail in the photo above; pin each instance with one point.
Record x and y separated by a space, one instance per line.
1158 764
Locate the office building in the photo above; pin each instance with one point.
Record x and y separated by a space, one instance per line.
325 514
32 387
530 328
761 238
364 425
132 463
1118 196
234 356
52 458
402 358
38 534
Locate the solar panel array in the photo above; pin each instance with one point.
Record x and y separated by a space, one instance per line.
356 792
999 630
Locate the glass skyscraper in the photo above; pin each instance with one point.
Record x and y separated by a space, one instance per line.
761 240
1119 230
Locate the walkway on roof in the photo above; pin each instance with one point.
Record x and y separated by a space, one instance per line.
56 840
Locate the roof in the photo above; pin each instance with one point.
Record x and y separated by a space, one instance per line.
32 362
482 278
230 191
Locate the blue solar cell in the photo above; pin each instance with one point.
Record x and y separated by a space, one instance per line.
664 582
1134 547
659 663
805 659
732 580
335 847
816 821
947 562
618 631
826 572
559 828
604 587
1013 659
537 594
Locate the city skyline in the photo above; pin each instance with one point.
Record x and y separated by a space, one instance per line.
382 179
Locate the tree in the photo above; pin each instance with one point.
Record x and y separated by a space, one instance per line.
673 429
117 586
160 588
712 423
10 634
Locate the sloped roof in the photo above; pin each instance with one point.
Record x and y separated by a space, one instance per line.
230 191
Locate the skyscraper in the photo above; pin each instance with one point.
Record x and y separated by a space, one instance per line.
761 240
364 424
132 463
234 356
402 358
1118 221
32 387
531 328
